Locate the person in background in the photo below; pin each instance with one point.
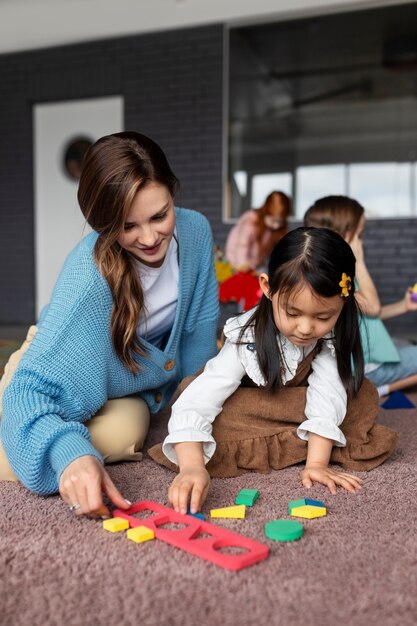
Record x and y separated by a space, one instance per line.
134 310
256 232
388 367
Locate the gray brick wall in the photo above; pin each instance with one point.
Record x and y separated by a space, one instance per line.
172 87
391 256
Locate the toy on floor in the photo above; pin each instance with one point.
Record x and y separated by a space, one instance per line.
309 512
307 508
115 524
243 288
247 496
199 538
140 534
283 530
234 512
223 271
304 502
413 293
398 400
198 515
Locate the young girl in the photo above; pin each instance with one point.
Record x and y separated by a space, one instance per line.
300 353
388 367
134 310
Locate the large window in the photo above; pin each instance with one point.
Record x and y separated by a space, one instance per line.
325 106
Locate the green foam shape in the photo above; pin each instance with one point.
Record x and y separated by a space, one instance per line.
283 530
247 496
295 503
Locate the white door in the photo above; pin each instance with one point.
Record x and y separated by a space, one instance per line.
59 223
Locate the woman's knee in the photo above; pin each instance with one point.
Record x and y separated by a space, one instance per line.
6 472
13 362
119 429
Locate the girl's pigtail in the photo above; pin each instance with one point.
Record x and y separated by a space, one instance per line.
349 353
269 357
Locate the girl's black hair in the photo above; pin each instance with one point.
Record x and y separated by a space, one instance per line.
316 257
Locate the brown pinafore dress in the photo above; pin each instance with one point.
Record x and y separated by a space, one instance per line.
257 429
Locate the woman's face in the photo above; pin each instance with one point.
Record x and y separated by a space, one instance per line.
149 225
274 222
276 217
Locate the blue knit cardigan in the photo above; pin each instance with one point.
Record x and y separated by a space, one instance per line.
71 369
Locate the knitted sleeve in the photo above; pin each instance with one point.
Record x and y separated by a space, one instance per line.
59 384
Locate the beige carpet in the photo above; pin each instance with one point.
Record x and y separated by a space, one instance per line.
355 567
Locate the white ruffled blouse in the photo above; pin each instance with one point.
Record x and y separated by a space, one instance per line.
197 407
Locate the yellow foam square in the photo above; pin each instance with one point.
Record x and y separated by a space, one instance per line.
115 524
140 534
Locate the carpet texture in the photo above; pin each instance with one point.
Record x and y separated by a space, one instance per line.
356 567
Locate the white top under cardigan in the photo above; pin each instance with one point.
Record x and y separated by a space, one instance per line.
199 404
160 291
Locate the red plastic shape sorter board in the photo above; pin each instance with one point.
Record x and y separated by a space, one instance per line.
187 539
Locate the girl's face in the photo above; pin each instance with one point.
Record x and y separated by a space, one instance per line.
149 225
305 316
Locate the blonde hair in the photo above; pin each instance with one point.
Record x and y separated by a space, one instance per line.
116 167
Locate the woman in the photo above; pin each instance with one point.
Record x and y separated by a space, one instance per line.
252 239
133 311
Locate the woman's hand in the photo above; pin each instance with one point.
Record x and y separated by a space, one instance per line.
330 478
191 481
83 483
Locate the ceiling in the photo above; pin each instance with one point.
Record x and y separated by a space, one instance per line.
31 24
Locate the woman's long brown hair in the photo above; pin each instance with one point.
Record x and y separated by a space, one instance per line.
116 167
277 204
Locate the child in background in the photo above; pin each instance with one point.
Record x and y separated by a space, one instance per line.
299 354
388 367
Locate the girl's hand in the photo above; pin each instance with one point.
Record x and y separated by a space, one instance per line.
83 483
330 478
357 248
191 481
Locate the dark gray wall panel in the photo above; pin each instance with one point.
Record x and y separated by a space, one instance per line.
172 87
